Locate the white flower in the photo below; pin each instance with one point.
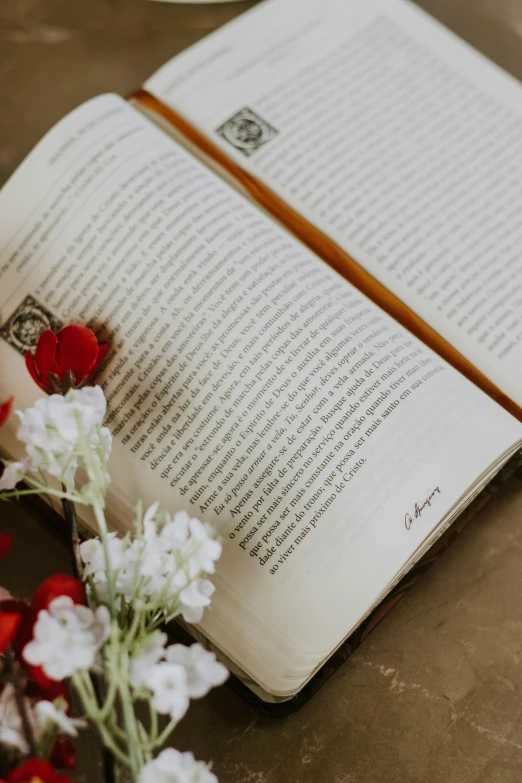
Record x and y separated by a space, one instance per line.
174 534
128 573
150 515
168 683
54 430
93 555
171 766
203 670
150 669
13 473
148 655
67 637
47 712
154 560
11 729
194 598
201 547
41 715
162 567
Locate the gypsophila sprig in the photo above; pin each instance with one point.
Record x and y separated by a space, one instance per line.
103 636
46 718
203 671
60 435
67 637
162 569
170 676
171 766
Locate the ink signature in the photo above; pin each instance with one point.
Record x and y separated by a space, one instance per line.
419 508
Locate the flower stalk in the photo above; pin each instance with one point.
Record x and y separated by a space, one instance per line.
71 517
11 667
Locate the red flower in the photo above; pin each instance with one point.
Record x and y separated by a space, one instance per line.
55 586
6 539
24 629
63 754
10 614
18 634
36 771
56 690
9 624
65 360
47 689
5 410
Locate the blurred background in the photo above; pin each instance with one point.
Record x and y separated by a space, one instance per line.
54 54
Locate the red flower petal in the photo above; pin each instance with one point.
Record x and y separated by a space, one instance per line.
102 350
77 351
39 686
6 539
5 410
9 623
33 371
37 674
56 690
45 357
37 770
63 754
73 350
14 605
24 631
55 586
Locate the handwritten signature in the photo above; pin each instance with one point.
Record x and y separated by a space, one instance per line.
419 508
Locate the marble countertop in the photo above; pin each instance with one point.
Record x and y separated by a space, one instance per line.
435 694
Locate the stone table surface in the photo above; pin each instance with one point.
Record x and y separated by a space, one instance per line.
435 694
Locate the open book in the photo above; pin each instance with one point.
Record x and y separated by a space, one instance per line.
302 240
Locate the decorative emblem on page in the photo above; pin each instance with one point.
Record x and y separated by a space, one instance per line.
26 324
246 131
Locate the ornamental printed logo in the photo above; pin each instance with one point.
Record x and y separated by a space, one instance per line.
247 132
27 323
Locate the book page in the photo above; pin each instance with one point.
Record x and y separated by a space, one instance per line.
246 381
390 135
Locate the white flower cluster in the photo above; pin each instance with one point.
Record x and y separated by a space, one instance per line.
55 430
66 637
43 716
171 766
162 567
174 675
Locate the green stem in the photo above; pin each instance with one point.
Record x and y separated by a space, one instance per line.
153 724
21 704
115 729
111 745
104 536
69 510
110 770
129 719
93 714
46 745
165 734
109 701
44 486
89 704
132 633
18 493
